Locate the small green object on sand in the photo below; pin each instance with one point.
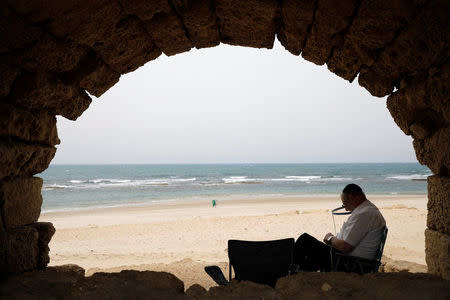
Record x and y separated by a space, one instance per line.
214 203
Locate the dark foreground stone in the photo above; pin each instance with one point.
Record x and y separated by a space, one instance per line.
69 282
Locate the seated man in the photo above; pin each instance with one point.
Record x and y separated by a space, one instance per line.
359 236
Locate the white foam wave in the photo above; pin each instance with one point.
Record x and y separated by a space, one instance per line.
240 179
77 181
337 179
409 177
111 183
54 187
296 178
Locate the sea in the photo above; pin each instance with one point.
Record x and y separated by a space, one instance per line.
84 187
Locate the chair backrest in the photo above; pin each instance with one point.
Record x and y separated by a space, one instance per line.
260 261
381 248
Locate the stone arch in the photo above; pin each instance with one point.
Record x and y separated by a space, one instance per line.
54 52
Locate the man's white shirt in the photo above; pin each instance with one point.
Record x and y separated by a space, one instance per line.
363 230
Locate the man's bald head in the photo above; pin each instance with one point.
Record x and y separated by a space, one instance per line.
352 196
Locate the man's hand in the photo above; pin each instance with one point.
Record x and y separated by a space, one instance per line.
327 236
338 244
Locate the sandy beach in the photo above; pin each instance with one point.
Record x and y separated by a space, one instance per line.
182 238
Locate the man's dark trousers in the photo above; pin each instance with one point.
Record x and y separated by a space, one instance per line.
313 255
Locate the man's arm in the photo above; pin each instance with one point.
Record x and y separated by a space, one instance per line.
336 243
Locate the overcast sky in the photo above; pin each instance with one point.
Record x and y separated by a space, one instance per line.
233 105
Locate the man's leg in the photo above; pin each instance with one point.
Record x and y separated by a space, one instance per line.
311 254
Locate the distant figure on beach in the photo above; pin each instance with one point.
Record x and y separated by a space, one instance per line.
359 236
214 203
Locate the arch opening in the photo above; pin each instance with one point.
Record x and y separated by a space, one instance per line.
202 183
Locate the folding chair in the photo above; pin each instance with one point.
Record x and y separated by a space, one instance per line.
361 265
257 261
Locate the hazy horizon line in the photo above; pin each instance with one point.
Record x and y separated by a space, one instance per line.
242 163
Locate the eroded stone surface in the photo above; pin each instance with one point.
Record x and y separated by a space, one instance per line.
52 55
39 91
21 201
247 23
439 204
25 248
422 100
199 18
296 18
2 226
7 75
168 33
128 47
26 126
75 20
18 250
423 44
145 10
19 159
331 19
93 75
434 150
375 25
15 32
45 231
437 253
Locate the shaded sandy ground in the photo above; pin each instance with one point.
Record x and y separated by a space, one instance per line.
69 282
182 239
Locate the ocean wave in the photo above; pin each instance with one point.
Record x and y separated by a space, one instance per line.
240 180
54 187
418 177
77 181
296 178
101 180
338 179
99 183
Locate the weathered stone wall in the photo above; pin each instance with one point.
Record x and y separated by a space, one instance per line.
54 54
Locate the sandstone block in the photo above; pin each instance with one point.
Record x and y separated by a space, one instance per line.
168 33
437 253
247 23
331 19
422 45
21 201
7 75
419 106
296 17
128 47
86 22
18 250
434 150
52 55
45 231
14 31
372 29
439 204
200 21
2 226
40 91
24 125
18 159
145 10
93 75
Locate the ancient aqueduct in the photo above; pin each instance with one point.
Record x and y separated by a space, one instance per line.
53 52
